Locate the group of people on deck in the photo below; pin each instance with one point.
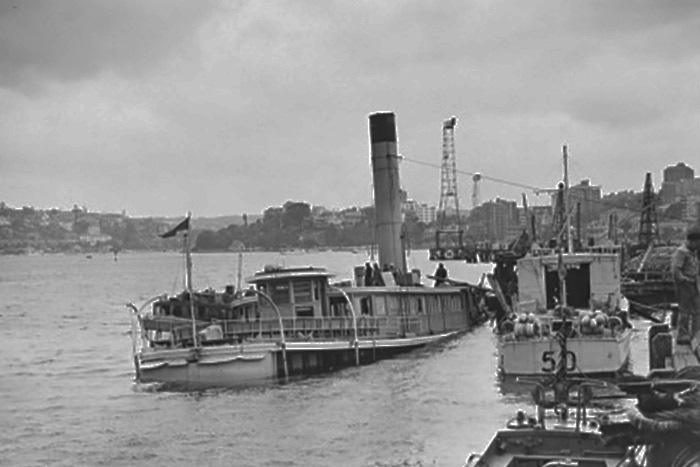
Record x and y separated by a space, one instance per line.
373 275
684 267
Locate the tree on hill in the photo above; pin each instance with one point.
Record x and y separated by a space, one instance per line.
295 214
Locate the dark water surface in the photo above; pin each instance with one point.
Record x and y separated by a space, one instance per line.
67 395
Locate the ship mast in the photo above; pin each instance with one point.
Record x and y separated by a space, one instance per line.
188 279
569 240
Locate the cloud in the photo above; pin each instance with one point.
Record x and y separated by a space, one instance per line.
232 106
45 41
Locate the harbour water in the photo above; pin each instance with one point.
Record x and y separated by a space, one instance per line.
67 395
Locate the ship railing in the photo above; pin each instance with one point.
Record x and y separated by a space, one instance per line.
569 392
317 328
177 332
304 327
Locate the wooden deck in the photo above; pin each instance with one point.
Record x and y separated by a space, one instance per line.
665 356
686 355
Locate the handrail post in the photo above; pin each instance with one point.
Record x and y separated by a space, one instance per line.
134 351
283 344
138 339
356 343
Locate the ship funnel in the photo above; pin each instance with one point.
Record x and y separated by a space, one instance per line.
387 196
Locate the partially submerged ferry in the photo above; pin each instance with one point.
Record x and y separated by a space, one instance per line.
294 321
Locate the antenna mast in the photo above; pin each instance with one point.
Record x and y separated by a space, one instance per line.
449 198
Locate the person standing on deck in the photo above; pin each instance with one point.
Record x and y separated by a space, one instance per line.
377 276
684 267
369 274
440 275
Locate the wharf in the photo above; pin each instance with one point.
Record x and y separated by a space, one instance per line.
686 355
666 357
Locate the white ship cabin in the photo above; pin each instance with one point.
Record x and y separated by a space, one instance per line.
311 306
592 281
297 292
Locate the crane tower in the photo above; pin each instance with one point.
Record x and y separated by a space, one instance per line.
449 199
648 222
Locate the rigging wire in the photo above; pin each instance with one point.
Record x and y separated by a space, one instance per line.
572 196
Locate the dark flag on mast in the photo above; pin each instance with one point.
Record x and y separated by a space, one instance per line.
184 225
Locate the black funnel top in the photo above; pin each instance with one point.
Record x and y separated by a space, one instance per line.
382 127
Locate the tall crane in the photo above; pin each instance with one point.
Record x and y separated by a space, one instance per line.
449 242
449 199
648 222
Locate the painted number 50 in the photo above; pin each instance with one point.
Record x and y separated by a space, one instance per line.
550 361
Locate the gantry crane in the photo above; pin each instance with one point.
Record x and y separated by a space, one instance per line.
449 242
449 198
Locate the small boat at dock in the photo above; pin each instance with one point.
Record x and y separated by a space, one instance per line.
598 330
570 427
540 286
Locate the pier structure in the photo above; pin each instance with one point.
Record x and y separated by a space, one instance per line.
666 357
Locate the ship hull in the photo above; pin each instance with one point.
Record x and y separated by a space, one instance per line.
599 356
232 366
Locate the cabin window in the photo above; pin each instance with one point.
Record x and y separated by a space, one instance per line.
578 286
304 311
419 306
393 305
366 306
302 291
280 293
379 306
339 307
431 304
406 306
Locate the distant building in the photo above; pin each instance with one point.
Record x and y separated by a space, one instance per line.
678 172
597 232
688 187
691 206
674 179
351 216
423 212
586 196
543 222
500 216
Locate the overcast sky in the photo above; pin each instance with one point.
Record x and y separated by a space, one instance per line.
225 107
